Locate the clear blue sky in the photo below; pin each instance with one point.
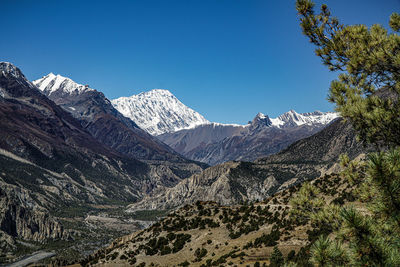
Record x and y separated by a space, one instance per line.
227 59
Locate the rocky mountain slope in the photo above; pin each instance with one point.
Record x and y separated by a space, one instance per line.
47 160
111 128
235 182
188 140
158 111
51 165
216 143
36 129
102 120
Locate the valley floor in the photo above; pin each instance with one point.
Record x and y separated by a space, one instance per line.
91 227
35 257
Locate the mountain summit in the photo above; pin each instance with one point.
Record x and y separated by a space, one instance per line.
260 120
51 84
294 119
158 111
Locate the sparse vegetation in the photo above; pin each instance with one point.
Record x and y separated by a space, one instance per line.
276 224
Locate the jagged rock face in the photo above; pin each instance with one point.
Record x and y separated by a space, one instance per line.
230 183
260 121
158 112
102 120
233 182
218 143
20 216
212 183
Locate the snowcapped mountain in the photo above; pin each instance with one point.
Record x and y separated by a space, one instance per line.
158 111
51 84
103 121
216 143
161 114
292 118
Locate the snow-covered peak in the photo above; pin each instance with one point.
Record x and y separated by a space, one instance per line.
158 111
292 118
52 83
157 93
261 116
8 68
261 120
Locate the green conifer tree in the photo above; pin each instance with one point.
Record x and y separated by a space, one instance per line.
367 90
276 258
366 94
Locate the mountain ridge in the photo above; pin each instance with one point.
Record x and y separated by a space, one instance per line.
109 127
52 83
103 121
216 143
141 109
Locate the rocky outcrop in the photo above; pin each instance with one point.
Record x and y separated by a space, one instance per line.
230 183
22 217
211 184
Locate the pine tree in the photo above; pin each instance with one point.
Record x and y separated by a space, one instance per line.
368 89
276 258
366 94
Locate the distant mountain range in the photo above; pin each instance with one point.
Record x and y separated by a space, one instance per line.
184 130
215 143
160 113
